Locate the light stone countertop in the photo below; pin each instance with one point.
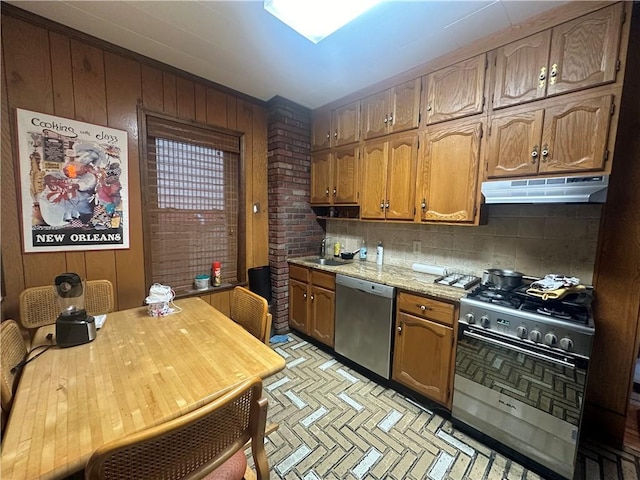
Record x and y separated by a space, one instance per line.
399 277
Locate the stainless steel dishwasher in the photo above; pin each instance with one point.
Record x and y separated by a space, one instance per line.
364 319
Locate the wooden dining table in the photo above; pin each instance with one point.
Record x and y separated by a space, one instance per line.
138 372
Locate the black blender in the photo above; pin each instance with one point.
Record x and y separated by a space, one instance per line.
73 325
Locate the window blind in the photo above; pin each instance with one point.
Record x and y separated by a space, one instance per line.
191 211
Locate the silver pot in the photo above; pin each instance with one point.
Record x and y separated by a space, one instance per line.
503 279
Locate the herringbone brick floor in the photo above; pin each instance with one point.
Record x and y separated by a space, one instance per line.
335 423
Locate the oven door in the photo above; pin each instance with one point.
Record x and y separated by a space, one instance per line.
526 397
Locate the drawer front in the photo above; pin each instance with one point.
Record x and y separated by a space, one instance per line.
426 308
323 279
299 273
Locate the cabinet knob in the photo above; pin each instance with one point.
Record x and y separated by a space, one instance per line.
553 73
424 204
399 329
382 204
327 192
386 204
328 135
542 77
545 152
312 298
423 308
428 108
335 134
534 154
335 191
391 118
385 119
304 295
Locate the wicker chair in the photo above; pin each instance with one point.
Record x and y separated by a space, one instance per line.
205 443
39 307
251 311
13 351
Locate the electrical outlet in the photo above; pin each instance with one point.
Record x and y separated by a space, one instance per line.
417 247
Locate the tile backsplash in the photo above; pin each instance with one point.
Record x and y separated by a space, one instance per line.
532 239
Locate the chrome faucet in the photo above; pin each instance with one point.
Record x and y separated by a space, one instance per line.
323 248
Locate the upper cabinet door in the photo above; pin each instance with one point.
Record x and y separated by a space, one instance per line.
405 106
584 51
455 91
345 175
521 70
321 130
401 175
346 124
375 115
374 180
514 144
321 178
448 171
563 150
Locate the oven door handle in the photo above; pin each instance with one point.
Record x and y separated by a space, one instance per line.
519 349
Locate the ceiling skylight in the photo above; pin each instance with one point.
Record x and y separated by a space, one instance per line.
317 19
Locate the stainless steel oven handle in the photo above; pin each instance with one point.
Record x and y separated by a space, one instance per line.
519 349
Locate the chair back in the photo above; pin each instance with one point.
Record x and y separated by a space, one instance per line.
192 445
39 305
13 350
251 311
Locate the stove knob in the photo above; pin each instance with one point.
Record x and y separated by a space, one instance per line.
535 336
471 319
484 321
566 344
521 332
551 339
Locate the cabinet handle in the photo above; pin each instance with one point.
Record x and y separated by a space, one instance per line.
327 192
428 108
399 329
312 298
328 135
424 204
304 295
382 204
545 152
335 191
391 118
385 119
542 77
553 74
423 307
534 154
335 135
387 204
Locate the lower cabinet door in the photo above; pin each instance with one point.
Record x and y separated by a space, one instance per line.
298 306
322 315
422 357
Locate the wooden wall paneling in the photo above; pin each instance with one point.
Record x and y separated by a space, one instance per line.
89 91
186 105
232 120
64 105
260 188
216 108
169 93
152 94
29 85
124 92
10 239
245 124
200 92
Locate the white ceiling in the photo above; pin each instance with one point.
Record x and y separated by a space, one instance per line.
241 46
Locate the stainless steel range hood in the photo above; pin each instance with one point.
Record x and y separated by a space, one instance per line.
590 189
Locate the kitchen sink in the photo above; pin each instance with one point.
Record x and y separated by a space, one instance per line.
328 262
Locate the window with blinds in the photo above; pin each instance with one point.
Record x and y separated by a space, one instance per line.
191 191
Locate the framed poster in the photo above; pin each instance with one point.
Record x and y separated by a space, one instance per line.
73 181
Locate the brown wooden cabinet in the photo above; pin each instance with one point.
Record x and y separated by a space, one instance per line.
564 137
448 170
336 127
388 178
334 176
394 110
455 91
574 55
312 303
423 356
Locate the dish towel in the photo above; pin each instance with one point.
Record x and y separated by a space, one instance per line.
280 339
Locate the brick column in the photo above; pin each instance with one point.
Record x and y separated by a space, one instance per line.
293 228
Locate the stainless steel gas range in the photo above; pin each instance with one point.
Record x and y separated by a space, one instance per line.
521 371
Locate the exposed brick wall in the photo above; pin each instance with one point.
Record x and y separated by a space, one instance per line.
293 228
